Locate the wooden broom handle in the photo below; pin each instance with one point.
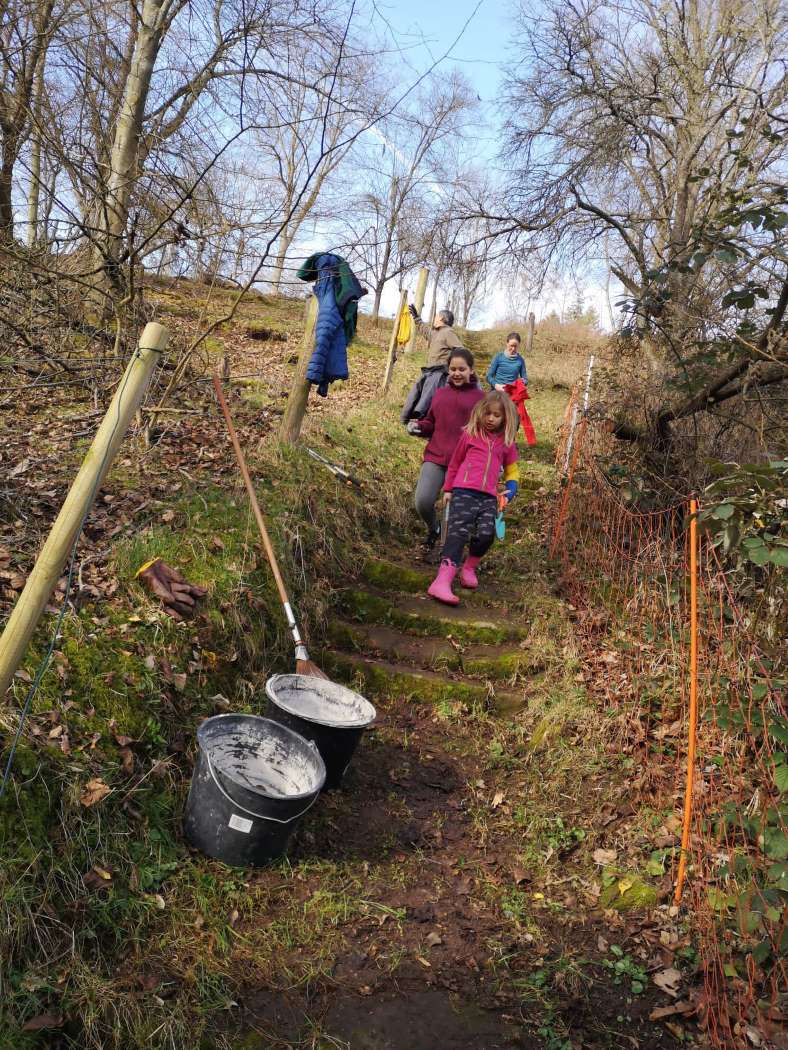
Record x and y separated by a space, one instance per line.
269 550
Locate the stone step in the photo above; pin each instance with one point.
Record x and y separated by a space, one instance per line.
391 578
398 681
423 616
437 654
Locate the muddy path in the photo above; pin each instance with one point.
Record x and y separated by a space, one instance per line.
470 914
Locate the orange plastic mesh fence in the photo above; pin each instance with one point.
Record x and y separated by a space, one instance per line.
627 574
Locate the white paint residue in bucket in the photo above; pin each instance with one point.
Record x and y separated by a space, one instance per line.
320 701
265 761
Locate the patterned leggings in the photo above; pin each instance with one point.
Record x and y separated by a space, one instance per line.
472 521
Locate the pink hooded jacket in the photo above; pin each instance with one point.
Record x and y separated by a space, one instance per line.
477 461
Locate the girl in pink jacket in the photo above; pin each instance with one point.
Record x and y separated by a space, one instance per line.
486 446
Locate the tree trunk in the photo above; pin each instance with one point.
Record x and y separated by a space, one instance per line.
34 191
113 211
434 307
378 295
282 248
6 205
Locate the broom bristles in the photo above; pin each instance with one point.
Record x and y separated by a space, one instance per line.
308 667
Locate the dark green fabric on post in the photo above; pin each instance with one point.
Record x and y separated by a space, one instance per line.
347 289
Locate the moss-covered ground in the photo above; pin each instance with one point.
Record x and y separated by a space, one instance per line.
455 869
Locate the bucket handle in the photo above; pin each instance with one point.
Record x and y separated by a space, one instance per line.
257 816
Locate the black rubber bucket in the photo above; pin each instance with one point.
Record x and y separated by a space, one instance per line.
328 714
253 781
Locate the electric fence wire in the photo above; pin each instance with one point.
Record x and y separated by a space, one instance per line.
44 664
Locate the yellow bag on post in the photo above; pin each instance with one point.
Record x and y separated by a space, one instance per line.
405 326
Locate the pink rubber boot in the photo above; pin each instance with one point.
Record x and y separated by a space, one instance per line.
468 577
440 587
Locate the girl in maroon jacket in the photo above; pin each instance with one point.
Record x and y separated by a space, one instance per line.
449 411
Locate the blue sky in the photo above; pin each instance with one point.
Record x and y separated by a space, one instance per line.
426 29
430 26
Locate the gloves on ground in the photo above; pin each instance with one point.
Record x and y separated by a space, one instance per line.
177 595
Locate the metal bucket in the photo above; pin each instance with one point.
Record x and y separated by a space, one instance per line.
253 781
328 714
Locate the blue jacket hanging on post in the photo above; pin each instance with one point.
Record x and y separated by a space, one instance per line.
338 291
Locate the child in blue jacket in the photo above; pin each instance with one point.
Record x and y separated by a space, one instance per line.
508 365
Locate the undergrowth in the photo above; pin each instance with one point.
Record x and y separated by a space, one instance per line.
110 925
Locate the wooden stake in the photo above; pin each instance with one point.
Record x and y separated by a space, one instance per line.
49 564
434 308
529 334
403 298
563 509
693 710
418 302
293 418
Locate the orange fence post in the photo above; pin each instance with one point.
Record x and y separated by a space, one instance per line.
693 711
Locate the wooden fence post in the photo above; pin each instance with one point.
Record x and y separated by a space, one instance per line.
421 291
403 298
45 573
434 308
529 334
575 410
299 392
558 531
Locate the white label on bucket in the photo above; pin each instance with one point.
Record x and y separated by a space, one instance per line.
240 823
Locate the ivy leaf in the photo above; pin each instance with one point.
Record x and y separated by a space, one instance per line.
775 844
758 555
723 511
781 779
762 951
779 556
726 255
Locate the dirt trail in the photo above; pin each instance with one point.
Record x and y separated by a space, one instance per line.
463 939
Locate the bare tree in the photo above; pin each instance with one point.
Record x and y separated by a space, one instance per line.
308 133
654 131
401 172
636 120
26 27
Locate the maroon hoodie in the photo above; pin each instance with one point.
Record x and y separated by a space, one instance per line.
449 412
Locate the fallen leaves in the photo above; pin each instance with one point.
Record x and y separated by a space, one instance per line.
41 1021
682 1007
20 468
93 792
669 980
604 857
126 761
97 879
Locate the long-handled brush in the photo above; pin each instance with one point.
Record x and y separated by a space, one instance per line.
303 664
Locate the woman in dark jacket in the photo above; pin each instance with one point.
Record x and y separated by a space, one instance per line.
448 413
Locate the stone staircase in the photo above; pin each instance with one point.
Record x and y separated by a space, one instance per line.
391 640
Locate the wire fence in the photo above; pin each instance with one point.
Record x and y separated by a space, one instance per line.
635 578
